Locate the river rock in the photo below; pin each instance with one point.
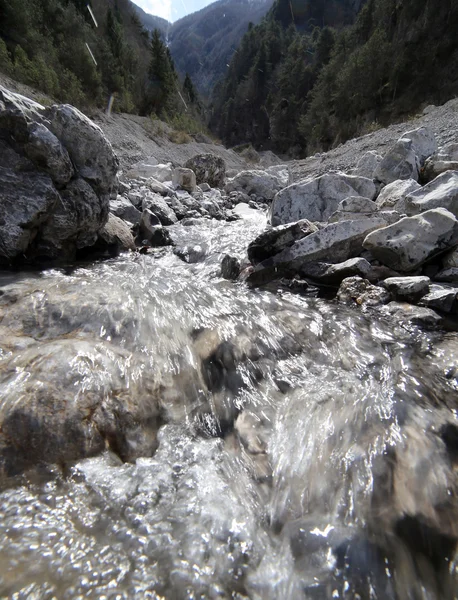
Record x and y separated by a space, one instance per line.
89 149
157 204
446 159
409 314
117 235
393 195
409 289
124 209
184 179
334 243
331 274
443 299
362 292
209 168
317 199
230 267
157 187
400 162
441 192
367 164
43 149
411 241
275 240
257 182
447 275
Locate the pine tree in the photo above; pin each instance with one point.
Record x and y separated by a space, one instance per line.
189 90
161 77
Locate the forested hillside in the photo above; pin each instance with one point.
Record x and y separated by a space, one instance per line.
203 43
56 47
316 73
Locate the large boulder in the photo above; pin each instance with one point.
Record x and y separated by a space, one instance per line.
257 182
367 164
400 162
393 195
334 243
57 171
116 235
441 192
410 242
423 142
124 209
89 149
317 199
276 239
208 168
445 159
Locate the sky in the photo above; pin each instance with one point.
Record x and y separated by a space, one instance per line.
172 10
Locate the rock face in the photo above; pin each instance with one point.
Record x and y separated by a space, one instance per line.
261 183
57 171
184 179
209 169
317 199
334 243
411 241
275 240
441 192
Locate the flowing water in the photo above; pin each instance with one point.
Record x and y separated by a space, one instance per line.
266 445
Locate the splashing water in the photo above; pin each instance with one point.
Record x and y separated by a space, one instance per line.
277 447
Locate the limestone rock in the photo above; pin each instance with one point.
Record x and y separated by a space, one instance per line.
89 149
423 142
124 209
209 168
393 195
257 182
441 192
157 204
446 159
317 199
400 162
48 154
362 292
409 289
411 241
275 240
184 179
117 234
367 164
331 274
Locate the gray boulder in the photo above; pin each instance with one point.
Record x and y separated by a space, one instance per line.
57 170
89 149
208 168
334 243
257 182
400 162
411 241
317 199
446 159
147 169
331 274
157 204
356 290
423 142
367 164
124 209
408 289
411 315
441 192
230 267
443 299
393 195
152 232
184 179
447 275
275 240
157 187
116 234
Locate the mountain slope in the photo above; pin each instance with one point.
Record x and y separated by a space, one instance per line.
203 43
150 22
